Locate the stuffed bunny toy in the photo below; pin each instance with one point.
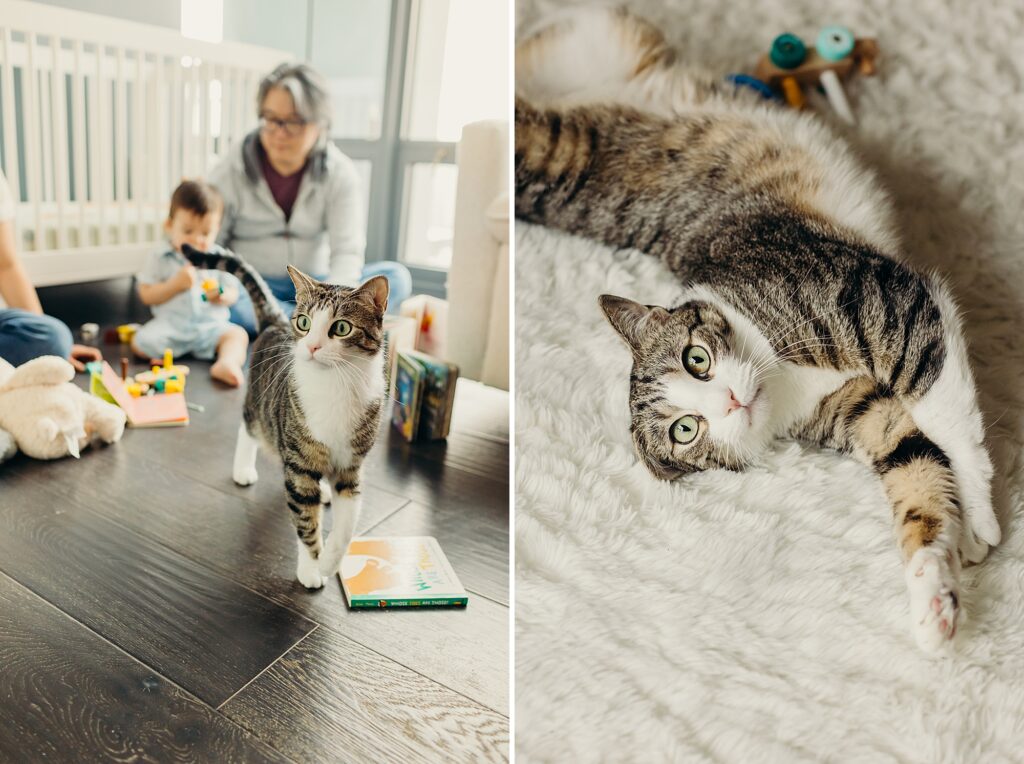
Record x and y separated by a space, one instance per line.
46 416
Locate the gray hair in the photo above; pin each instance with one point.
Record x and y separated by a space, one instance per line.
308 89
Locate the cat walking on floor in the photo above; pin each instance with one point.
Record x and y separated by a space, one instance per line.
315 396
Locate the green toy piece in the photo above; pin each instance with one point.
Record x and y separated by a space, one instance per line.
788 51
834 43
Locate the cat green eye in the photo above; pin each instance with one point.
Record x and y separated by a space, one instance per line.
697 360
684 429
302 322
340 328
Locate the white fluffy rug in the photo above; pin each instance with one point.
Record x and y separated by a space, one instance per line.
762 616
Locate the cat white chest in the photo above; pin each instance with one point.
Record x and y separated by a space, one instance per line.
334 405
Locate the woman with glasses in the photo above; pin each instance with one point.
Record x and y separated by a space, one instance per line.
291 197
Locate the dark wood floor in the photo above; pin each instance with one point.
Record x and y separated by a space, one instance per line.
149 610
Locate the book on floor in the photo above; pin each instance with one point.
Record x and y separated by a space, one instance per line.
392 572
438 395
424 396
399 334
405 415
163 410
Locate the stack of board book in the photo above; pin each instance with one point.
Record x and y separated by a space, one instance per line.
424 395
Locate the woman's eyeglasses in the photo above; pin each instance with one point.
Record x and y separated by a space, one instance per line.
291 127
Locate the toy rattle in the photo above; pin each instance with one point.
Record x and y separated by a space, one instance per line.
836 53
209 285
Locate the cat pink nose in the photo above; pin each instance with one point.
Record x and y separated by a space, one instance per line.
733 403
313 349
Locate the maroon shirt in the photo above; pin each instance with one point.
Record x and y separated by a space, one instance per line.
284 189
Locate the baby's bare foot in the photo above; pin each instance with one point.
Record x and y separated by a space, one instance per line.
227 372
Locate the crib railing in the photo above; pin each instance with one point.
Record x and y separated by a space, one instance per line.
99 120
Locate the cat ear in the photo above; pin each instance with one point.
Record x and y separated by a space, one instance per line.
376 289
628 318
303 283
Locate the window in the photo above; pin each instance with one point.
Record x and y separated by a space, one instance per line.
405 77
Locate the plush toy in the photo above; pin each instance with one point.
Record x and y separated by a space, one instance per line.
46 416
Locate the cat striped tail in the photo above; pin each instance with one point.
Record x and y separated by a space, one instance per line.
265 307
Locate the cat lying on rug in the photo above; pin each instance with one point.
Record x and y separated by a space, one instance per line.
801 317
315 395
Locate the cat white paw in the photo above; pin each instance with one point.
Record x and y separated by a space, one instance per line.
308 571
934 601
329 564
972 549
245 475
325 492
983 523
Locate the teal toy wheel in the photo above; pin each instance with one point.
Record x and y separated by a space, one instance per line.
834 43
788 51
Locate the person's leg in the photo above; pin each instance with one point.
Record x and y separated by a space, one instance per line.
243 315
24 336
231 347
399 280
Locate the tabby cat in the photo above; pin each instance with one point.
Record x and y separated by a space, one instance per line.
315 395
801 317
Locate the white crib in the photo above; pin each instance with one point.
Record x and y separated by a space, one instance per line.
100 119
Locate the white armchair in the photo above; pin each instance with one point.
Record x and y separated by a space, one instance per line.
478 282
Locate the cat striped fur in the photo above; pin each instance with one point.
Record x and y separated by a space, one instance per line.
801 316
320 414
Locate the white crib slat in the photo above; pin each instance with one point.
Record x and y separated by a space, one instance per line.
121 149
207 135
43 81
225 113
188 97
59 128
100 147
195 124
33 162
139 155
157 118
237 105
78 110
175 121
10 120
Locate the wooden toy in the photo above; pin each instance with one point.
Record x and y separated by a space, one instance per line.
126 332
208 286
169 370
836 55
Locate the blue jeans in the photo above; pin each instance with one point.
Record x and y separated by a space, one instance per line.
24 336
399 280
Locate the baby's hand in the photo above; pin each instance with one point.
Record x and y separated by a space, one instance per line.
185 279
227 297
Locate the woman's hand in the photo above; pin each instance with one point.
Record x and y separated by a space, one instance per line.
83 353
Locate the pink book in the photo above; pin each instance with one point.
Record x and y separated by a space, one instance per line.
163 410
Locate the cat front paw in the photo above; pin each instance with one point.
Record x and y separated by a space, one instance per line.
934 601
308 572
245 475
329 564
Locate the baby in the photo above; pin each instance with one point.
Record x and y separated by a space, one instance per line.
186 317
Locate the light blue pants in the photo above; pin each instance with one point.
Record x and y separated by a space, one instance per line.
399 281
24 336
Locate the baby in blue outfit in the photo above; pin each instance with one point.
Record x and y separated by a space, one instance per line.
186 317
